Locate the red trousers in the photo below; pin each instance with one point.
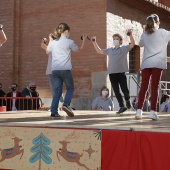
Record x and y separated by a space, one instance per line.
154 75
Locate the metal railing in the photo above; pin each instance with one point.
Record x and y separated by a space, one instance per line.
134 79
21 103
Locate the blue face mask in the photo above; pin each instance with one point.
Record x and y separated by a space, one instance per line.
68 36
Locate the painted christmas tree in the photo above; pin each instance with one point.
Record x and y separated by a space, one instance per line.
41 150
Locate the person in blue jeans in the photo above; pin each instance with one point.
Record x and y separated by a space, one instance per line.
49 70
61 67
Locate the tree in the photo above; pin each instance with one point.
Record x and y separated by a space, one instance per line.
41 150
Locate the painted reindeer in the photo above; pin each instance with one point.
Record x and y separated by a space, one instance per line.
70 156
12 152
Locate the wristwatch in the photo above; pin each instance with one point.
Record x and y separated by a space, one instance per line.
1 28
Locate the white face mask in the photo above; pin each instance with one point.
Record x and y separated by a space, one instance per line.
116 42
104 93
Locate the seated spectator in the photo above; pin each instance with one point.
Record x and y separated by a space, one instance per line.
164 103
28 92
13 104
103 102
2 94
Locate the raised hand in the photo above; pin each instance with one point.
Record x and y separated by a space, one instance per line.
93 39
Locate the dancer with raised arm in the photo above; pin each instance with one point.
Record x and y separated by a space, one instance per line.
154 41
61 67
117 66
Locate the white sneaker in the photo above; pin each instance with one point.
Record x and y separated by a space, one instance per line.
68 110
138 114
153 115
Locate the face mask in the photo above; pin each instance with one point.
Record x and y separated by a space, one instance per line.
33 88
156 25
116 42
68 35
104 93
13 88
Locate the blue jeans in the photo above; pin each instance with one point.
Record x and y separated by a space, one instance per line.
60 77
52 86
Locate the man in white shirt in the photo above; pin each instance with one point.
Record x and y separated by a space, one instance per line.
2 35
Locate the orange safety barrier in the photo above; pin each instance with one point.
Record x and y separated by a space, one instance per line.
20 103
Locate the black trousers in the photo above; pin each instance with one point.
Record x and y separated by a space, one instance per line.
119 79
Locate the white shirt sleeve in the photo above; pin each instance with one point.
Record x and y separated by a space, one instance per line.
167 35
49 47
73 46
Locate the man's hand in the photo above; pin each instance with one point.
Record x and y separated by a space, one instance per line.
93 39
51 37
1 26
27 96
129 32
45 41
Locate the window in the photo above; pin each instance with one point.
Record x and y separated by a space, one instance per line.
134 59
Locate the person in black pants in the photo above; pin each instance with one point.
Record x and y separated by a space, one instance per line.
119 79
117 66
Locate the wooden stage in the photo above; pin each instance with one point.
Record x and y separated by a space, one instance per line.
91 140
87 119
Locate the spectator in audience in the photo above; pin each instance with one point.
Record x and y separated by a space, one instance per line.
2 94
29 92
13 104
103 102
164 103
2 35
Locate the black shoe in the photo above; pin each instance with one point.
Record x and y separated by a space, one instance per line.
55 115
121 110
68 110
128 104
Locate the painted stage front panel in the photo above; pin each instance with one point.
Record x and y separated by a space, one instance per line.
30 148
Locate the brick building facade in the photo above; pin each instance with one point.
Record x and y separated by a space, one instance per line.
27 21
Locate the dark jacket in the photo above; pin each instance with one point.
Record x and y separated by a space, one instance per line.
30 104
2 101
10 101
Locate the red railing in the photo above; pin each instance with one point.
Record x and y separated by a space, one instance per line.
20 103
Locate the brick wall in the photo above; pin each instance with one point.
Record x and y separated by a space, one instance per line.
26 21
165 2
